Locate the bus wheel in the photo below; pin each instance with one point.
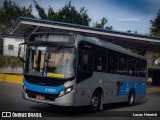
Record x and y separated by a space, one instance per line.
131 98
95 102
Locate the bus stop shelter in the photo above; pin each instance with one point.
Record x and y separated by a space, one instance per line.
24 26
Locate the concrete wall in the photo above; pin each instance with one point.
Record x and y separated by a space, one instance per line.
9 69
15 41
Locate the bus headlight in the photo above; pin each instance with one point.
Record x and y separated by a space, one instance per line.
65 91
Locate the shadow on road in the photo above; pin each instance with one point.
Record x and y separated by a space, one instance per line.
78 111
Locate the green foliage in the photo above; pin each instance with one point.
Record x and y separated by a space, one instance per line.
151 57
40 10
68 14
102 24
10 61
155 29
9 12
52 15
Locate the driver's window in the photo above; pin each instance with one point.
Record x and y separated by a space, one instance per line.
85 61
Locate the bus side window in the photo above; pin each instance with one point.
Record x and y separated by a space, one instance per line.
144 68
85 61
132 66
112 62
123 64
85 67
100 62
141 68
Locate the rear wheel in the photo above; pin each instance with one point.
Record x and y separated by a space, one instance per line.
131 98
95 101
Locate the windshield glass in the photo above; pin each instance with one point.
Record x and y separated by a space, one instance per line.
56 62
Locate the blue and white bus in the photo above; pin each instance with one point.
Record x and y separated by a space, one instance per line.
73 70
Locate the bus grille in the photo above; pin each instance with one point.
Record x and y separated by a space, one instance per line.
43 81
33 94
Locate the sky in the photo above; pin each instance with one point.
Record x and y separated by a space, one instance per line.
122 15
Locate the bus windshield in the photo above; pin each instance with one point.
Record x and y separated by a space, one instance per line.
56 62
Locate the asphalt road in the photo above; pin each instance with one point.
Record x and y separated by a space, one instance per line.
10 100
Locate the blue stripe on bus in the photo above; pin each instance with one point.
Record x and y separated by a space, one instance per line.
140 88
43 89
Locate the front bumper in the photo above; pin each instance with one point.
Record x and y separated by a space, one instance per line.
66 100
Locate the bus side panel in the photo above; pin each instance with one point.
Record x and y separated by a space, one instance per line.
84 92
112 93
136 83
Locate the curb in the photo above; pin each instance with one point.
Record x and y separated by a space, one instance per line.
11 78
153 89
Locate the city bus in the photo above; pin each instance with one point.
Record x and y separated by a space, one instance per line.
66 69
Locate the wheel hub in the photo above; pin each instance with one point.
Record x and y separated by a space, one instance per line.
94 101
132 99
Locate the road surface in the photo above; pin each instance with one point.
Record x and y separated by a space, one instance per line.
10 100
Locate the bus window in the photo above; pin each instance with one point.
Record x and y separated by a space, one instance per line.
112 62
51 61
137 67
85 61
100 62
36 64
122 64
131 66
141 68
85 67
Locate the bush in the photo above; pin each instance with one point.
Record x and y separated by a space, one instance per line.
10 61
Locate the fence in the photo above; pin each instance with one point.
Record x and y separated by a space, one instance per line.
7 51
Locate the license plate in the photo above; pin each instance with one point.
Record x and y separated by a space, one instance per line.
40 97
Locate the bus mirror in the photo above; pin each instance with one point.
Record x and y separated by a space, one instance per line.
20 53
19 50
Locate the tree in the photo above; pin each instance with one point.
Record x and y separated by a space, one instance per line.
40 10
152 57
155 29
103 24
9 12
68 14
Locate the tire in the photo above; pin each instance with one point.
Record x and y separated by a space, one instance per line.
95 102
131 98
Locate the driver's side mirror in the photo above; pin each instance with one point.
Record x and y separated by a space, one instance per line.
19 50
21 53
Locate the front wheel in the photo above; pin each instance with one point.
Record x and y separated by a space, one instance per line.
95 102
131 98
